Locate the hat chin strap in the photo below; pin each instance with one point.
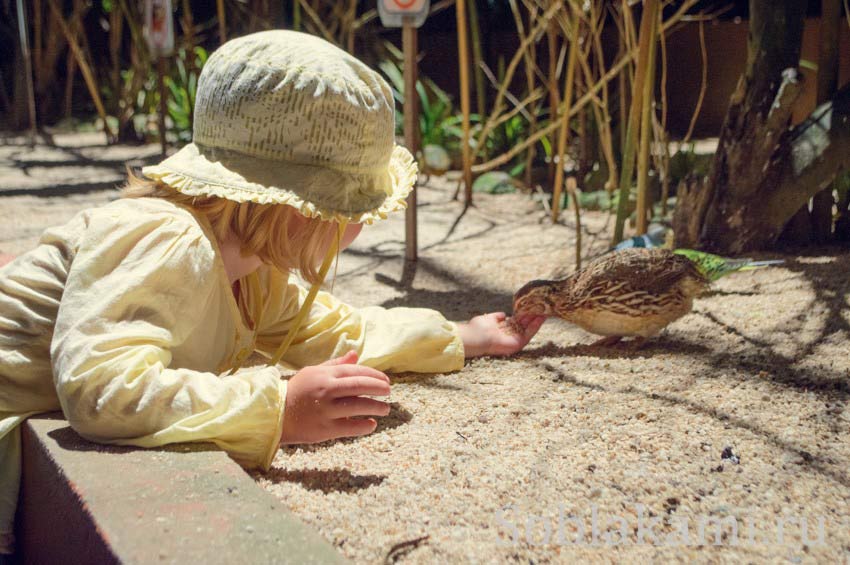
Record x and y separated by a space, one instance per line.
311 296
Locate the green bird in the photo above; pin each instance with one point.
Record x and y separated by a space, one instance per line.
635 292
714 267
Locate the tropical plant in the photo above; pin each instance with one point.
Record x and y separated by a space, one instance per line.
182 85
438 124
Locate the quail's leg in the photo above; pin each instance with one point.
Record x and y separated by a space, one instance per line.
637 343
607 341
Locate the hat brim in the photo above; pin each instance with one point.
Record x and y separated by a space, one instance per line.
316 191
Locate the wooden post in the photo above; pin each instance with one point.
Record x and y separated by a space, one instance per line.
411 127
647 24
648 87
163 107
25 53
463 61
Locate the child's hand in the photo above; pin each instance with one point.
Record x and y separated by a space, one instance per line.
490 335
321 400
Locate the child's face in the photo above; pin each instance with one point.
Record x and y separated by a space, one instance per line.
351 232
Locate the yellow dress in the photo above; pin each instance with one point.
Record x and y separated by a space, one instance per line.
124 319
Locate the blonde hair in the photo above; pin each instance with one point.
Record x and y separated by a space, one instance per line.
265 230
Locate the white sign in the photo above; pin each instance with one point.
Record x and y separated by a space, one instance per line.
394 12
159 27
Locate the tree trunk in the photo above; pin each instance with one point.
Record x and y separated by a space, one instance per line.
763 171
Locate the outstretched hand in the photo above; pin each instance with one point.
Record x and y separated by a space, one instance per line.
492 334
324 401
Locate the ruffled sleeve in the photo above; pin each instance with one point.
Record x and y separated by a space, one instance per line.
388 339
136 290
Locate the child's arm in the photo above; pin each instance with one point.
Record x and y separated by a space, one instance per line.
388 339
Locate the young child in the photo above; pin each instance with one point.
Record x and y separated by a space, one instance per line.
134 318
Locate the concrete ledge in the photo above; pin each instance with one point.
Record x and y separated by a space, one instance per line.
88 503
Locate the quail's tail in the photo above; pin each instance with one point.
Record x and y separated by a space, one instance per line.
714 267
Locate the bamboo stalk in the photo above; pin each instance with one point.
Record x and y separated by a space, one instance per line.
555 124
529 79
647 26
463 61
622 88
584 135
554 95
71 66
662 161
350 27
563 134
509 72
573 190
116 30
163 105
477 58
84 68
587 97
25 53
645 130
601 111
139 60
317 21
52 49
661 128
222 20
296 16
37 42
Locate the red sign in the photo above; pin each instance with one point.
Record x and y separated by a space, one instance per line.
159 27
395 12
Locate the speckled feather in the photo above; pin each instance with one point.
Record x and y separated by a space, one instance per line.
635 292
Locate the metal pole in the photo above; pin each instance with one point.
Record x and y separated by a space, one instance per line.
411 137
25 50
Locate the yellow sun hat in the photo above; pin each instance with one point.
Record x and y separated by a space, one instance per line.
283 117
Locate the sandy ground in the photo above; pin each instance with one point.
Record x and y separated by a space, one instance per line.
736 413
627 446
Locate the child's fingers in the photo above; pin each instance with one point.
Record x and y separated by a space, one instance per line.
358 406
347 359
348 427
533 326
346 371
523 319
499 316
360 386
